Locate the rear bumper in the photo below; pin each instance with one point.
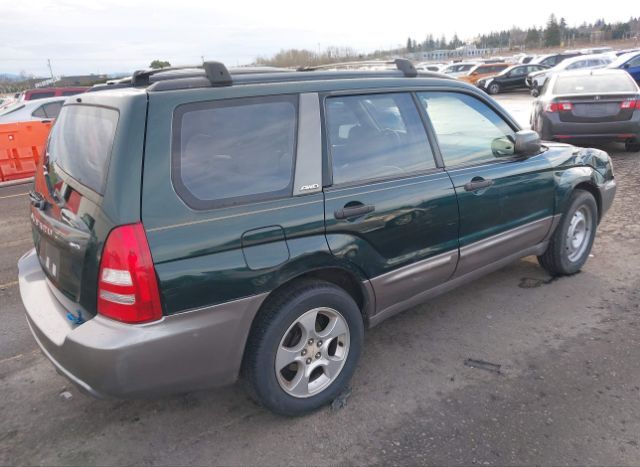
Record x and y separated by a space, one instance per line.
106 358
553 128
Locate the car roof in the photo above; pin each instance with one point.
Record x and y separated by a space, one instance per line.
624 58
596 72
44 100
578 58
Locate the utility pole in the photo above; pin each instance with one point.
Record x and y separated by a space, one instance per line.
50 69
202 57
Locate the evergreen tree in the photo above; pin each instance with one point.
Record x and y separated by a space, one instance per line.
552 33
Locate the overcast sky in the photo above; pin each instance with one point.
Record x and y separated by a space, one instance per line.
88 36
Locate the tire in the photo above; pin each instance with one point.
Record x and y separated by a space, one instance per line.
535 92
566 255
494 88
321 365
632 146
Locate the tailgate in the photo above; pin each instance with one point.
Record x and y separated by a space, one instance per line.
593 109
73 206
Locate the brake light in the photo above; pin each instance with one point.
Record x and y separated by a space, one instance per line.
559 107
631 104
127 283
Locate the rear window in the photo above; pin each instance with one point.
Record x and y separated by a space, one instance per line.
41 95
234 151
80 143
585 84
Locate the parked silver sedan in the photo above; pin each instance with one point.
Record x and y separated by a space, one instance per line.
40 109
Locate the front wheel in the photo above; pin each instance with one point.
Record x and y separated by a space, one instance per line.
303 348
571 243
494 88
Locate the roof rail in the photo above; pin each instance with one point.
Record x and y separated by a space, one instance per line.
216 73
402 64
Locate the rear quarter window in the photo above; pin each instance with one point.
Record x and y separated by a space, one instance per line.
234 151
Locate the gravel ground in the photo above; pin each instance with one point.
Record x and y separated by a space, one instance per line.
567 392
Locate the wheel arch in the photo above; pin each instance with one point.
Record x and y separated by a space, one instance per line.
360 290
591 188
577 178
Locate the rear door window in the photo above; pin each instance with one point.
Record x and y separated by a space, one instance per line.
234 151
39 112
80 143
376 136
52 109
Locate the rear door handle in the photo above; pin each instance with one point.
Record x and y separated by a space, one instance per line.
353 211
475 185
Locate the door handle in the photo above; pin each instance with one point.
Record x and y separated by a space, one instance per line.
353 211
478 184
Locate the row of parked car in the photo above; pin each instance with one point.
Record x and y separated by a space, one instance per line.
495 76
582 97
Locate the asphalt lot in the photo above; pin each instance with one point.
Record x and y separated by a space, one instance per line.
568 391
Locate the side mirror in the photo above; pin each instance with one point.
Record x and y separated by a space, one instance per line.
524 143
527 143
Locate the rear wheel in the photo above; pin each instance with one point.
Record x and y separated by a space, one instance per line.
303 348
632 146
494 88
571 243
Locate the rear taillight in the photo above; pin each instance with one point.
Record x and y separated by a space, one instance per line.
630 104
559 107
127 284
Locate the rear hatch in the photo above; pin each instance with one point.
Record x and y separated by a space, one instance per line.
596 96
599 108
71 204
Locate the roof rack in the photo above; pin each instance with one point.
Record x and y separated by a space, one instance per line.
402 64
216 73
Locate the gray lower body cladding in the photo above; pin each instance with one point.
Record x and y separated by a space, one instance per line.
191 350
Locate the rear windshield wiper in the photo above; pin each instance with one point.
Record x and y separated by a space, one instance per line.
37 200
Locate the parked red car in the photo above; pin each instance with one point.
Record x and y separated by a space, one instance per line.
41 93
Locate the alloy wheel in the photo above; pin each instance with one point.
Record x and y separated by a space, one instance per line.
312 352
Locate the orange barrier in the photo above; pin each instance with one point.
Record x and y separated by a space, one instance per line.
21 145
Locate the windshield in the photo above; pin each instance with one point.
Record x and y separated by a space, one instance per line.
80 143
588 84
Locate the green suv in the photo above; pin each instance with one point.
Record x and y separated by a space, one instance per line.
194 226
